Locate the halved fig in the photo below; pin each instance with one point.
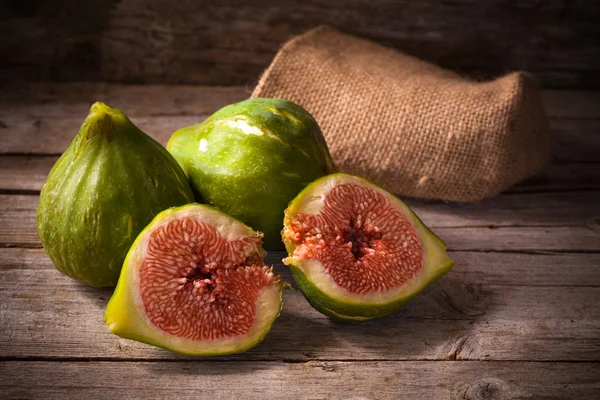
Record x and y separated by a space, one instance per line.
356 251
194 282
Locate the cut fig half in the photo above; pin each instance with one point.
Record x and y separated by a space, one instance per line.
356 251
194 282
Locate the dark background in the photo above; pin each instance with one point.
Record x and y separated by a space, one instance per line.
231 42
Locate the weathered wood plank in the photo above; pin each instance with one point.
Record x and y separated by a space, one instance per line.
21 172
494 268
42 118
36 100
73 99
17 214
562 177
489 307
554 221
52 135
522 238
229 42
24 172
571 104
529 209
509 210
574 140
303 381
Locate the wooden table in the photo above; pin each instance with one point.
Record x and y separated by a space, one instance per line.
517 317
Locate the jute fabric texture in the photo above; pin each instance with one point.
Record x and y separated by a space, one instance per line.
412 127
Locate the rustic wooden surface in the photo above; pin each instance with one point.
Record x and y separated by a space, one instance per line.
231 42
517 317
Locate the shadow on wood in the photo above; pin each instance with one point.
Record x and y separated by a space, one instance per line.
460 304
229 42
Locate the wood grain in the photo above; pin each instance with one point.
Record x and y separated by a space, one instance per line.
52 135
492 306
64 99
73 99
302 381
229 42
29 172
519 310
558 222
43 118
574 140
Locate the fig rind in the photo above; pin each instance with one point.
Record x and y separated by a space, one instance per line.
328 298
125 312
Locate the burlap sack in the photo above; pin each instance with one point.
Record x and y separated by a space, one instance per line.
414 128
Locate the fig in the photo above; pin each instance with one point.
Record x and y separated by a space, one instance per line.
194 282
105 188
356 251
251 158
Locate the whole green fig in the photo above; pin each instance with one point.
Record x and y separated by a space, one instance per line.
251 159
112 180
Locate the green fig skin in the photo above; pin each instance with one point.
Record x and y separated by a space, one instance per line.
352 308
105 188
251 158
